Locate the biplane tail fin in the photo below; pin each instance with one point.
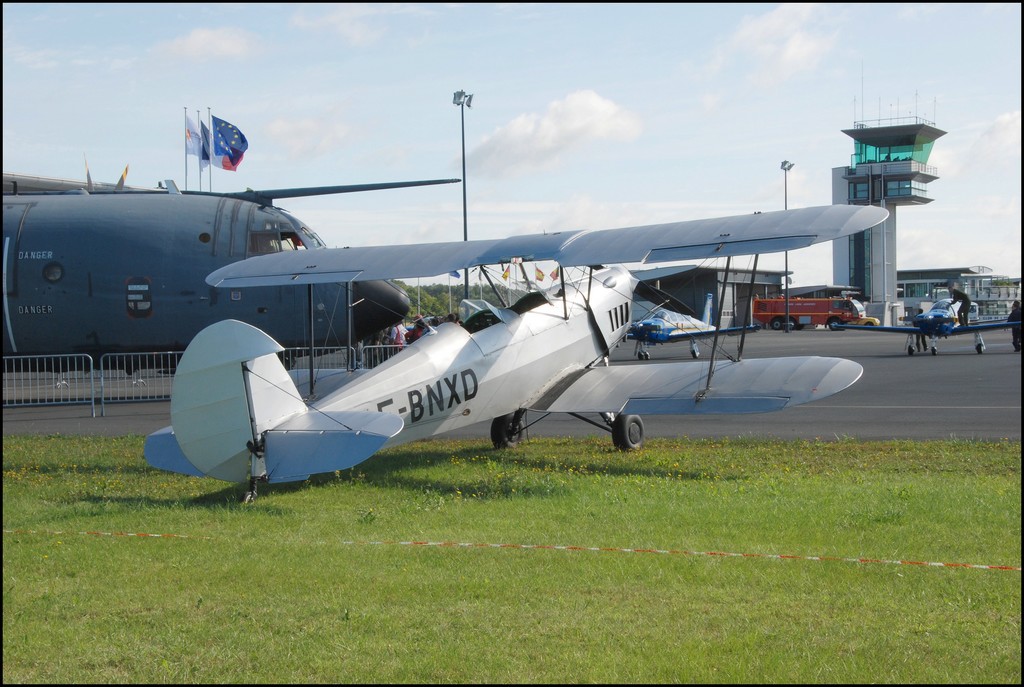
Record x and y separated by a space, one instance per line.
236 414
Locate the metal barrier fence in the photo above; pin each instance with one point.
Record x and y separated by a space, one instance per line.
136 377
375 355
139 377
324 358
32 380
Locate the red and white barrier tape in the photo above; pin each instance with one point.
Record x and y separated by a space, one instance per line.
107 534
599 549
604 549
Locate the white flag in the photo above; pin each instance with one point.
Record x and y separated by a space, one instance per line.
194 143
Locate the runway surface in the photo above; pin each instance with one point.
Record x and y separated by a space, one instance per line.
955 394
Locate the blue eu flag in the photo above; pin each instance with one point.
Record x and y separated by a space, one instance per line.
229 144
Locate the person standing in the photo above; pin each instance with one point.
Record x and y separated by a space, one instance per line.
920 339
395 340
963 299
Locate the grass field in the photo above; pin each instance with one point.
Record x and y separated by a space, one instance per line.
319 581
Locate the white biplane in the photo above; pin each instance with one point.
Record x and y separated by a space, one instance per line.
237 413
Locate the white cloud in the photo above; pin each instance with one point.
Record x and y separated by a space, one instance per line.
354 22
1000 140
779 44
207 44
535 141
35 59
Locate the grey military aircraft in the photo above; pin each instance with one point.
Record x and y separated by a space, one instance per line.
237 413
120 270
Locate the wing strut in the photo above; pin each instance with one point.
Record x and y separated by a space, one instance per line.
714 341
746 311
312 339
494 289
565 296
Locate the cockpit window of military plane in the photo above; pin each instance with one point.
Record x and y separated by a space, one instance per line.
273 241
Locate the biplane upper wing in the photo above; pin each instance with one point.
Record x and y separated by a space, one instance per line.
746 386
707 238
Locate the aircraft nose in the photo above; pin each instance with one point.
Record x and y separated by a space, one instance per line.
380 304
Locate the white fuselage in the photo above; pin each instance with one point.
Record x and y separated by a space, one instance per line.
453 377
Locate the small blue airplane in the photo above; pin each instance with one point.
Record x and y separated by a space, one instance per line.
939 322
667 326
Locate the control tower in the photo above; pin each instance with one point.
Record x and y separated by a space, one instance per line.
889 167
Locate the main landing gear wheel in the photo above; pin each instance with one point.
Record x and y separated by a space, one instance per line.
910 350
627 432
643 355
507 430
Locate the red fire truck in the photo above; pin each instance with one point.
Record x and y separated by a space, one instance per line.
771 312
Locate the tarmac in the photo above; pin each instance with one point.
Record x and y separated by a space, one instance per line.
955 394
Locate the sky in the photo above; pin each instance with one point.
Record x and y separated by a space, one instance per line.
583 116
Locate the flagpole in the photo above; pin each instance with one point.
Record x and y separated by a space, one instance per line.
199 157
209 117
186 149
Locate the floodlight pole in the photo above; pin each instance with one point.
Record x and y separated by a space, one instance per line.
786 166
464 100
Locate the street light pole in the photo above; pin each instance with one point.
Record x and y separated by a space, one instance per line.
786 166
464 100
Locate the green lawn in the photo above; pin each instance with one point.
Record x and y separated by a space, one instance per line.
311 583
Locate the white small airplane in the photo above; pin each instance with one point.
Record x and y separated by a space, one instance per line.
237 414
667 326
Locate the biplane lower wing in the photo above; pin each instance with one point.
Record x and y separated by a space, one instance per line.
746 386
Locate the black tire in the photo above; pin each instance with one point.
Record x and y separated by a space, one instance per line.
910 350
832 321
979 349
628 432
507 430
776 324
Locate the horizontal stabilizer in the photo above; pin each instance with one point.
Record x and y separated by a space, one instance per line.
162 452
747 386
229 387
326 441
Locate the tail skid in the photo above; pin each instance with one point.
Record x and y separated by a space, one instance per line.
236 415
